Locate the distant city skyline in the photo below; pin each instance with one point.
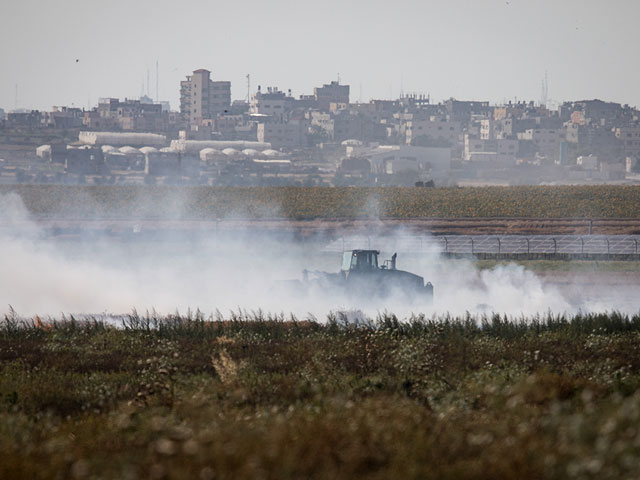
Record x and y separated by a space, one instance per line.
72 53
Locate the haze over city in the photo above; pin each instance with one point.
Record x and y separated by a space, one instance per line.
73 52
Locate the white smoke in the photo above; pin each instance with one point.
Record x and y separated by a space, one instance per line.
230 271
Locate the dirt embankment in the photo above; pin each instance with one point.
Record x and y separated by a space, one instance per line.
441 226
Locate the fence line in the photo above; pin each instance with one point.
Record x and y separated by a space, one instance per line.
601 246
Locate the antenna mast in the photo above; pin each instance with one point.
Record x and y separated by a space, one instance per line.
248 88
157 83
545 90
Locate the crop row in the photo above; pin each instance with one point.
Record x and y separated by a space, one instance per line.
208 203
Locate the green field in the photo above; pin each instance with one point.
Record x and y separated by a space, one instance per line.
249 397
601 201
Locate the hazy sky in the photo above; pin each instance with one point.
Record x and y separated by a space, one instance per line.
468 49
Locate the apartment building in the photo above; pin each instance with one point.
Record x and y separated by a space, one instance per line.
292 134
503 151
272 103
546 140
331 93
434 128
202 98
629 136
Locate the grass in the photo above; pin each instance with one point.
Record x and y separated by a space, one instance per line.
256 396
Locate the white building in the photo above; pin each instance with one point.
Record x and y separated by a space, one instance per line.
428 163
486 129
500 151
121 139
283 135
434 128
273 103
195 146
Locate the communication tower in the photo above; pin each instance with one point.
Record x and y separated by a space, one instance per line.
545 90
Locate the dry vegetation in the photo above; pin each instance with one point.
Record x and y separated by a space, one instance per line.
210 203
254 397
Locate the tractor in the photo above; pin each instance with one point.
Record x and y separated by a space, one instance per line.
361 277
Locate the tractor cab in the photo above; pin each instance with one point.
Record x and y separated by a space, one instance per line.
360 260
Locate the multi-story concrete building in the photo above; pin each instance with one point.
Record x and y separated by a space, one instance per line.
348 124
596 140
63 117
463 110
594 111
31 119
132 115
546 140
322 120
272 103
438 129
344 124
203 99
630 138
501 151
331 93
292 134
487 129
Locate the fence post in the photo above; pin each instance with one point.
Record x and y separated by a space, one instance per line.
555 247
636 243
498 245
528 250
472 252
446 245
608 253
581 246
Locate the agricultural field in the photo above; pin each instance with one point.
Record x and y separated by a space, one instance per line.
254 397
211 203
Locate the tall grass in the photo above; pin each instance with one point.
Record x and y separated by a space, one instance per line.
253 395
198 325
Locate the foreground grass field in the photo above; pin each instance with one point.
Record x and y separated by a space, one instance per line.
249 397
598 201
